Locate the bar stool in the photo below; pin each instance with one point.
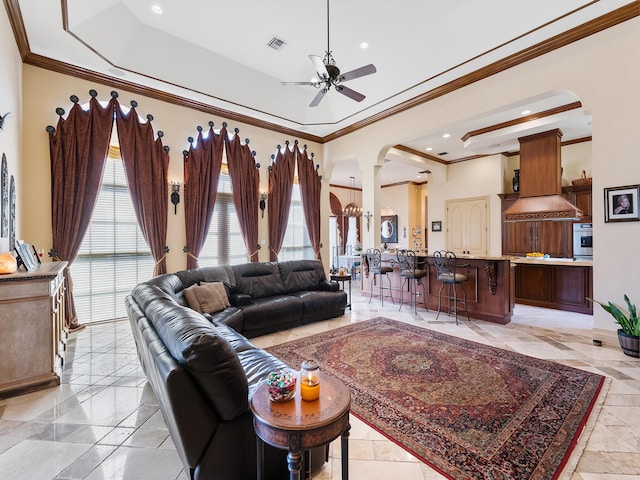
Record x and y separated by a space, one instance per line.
446 265
376 268
413 269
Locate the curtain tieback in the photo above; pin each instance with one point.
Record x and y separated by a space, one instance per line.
161 259
191 255
276 253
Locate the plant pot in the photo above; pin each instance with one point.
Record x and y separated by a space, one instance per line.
630 344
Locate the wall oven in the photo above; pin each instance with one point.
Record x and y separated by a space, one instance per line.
583 241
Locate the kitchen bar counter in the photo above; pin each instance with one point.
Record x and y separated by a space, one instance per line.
489 289
565 262
554 283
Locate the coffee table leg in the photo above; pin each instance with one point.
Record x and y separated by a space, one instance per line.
344 444
294 457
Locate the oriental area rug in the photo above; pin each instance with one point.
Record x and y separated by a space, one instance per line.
468 410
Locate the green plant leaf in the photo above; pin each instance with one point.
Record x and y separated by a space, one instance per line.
631 325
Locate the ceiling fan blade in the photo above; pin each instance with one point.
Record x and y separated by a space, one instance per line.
321 69
352 94
299 83
357 73
318 97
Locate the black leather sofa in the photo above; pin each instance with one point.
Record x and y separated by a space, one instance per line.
202 367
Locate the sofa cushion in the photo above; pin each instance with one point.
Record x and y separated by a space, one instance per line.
271 314
230 316
221 273
258 280
299 275
196 344
318 305
207 297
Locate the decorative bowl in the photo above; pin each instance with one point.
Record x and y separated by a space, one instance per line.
282 385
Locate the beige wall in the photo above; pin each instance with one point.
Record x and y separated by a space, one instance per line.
11 101
602 70
609 92
177 123
574 159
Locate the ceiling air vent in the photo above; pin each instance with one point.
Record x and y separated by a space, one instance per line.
443 153
276 43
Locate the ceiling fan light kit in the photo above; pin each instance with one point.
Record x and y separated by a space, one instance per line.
329 75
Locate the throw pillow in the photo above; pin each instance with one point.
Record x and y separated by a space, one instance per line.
221 289
207 297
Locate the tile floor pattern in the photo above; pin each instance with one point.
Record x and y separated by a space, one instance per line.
103 421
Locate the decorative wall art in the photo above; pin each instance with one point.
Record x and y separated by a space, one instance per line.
436 226
389 229
4 197
621 204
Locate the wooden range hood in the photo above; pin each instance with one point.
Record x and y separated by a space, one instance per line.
541 182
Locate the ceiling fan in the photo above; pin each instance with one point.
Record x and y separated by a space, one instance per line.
330 75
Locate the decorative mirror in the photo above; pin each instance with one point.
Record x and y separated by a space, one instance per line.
389 229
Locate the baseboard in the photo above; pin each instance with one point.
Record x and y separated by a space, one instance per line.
607 337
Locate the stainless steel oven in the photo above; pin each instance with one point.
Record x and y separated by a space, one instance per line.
583 240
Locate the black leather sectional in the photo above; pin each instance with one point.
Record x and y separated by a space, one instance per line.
202 367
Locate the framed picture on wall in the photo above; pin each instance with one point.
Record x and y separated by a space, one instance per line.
436 226
389 229
621 204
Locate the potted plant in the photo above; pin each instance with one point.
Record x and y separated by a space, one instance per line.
629 331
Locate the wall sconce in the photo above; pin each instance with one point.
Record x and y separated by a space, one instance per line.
368 216
175 195
263 202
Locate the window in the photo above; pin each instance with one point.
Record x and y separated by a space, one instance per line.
224 244
296 244
114 256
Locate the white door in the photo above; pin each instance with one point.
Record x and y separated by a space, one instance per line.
466 225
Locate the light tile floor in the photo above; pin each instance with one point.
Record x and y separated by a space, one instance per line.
103 421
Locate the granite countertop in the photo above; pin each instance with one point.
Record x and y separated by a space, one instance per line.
388 254
570 262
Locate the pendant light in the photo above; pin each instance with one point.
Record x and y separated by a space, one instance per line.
351 209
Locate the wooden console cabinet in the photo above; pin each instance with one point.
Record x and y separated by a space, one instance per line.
32 335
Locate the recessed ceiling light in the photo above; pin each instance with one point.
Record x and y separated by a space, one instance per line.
364 45
157 9
525 112
429 149
446 135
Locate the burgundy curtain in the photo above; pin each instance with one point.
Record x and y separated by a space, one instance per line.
146 166
78 148
281 173
310 186
202 164
245 182
336 209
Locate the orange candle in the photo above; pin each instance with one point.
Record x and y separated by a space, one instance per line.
310 388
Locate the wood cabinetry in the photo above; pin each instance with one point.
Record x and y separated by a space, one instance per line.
466 225
581 197
32 337
519 238
555 286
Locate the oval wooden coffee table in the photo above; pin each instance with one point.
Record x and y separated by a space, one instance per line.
299 426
